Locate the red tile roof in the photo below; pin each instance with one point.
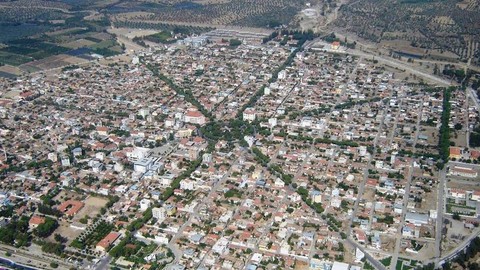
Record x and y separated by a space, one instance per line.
108 240
71 207
455 151
194 114
36 220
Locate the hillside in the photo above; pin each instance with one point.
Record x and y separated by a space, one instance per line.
438 26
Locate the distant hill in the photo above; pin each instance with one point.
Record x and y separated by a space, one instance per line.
251 13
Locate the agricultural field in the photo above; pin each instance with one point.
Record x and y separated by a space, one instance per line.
263 13
12 31
38 35
65 48
427 26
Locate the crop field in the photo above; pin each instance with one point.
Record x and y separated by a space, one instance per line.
13 59
22 51
261 13
429 25
68 31
38 34
79 43
12 31
51 62
20 14
35 30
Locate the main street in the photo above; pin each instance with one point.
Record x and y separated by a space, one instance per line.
361 188
409 177
440 212
103 263
375 263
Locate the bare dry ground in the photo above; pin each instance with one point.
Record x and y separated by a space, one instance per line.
369 195
65 230
467 184
51 63
460 139
456 232
388 243
428 251
132 33
78 43
10 69
12 94
429 201
92 207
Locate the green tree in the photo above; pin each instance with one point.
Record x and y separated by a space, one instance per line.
235 42
46 229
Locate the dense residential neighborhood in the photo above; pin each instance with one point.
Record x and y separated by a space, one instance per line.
276 153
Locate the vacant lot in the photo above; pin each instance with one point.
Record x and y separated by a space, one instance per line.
92 207
459 138
429 200
65 230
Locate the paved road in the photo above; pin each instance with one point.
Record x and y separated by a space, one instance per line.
369 258
361 190
103 263
265 230
282 203
11 261
390 142
440 213
30 258
396 252
466 124
392 62
250 189
172 243
473 96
